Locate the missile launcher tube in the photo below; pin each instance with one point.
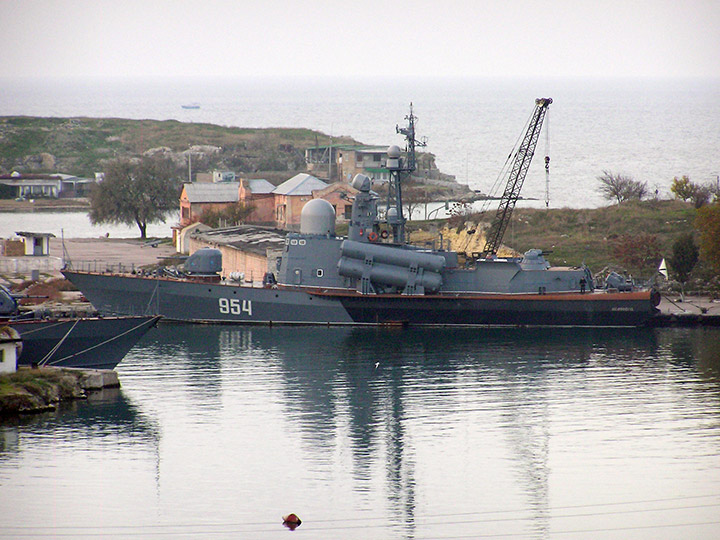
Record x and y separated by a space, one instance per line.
392 255
389 275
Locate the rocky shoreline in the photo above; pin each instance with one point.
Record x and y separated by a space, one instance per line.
38 390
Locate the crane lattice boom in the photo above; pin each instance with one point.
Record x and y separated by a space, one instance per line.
521 162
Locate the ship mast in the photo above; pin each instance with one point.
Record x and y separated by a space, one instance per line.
401 169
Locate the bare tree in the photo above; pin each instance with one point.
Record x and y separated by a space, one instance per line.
621 187
135 192
701 196
413 197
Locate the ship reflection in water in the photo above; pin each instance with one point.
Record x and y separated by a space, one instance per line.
219 431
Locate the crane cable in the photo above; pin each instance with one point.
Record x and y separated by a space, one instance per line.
547 160
502 178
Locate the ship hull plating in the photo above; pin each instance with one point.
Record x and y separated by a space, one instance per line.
90 343
567 309
192 301
197 301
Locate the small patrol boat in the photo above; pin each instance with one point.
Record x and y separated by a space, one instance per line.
77 342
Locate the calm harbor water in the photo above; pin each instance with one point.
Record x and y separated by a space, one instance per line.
77 225
218 431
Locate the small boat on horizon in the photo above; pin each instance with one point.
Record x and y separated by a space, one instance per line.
191 106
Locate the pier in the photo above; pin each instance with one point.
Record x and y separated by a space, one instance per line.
693 311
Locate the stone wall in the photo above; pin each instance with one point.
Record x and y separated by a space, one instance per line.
13 248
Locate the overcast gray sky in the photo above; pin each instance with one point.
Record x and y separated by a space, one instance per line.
602 38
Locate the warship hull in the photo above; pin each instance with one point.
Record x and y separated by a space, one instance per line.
205 302
595 309
90 343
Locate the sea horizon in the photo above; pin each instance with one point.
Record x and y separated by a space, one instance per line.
652 129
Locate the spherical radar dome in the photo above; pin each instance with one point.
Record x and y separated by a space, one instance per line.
317 217
393 160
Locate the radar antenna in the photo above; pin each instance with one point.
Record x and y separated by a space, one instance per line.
401 169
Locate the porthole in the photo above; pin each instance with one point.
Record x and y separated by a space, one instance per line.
319 272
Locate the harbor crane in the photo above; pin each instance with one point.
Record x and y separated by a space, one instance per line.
521 163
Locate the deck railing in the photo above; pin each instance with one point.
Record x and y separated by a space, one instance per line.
100 266
103 267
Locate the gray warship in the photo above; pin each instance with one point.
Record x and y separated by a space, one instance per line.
372 276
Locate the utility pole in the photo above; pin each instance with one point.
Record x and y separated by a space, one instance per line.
190 164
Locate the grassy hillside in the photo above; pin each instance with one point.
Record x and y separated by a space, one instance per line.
79 145
588 235
575 236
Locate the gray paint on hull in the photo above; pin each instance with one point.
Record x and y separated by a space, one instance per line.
590 310
90 343
208 302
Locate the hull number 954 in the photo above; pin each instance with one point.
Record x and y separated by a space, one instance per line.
235 306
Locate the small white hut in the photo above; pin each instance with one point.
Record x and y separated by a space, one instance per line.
36 244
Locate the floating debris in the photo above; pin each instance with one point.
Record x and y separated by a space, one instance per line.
291 521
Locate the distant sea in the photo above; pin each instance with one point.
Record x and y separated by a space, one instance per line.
650 129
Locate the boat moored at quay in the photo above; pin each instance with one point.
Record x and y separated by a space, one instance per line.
192 300
80 342
372 276
86 342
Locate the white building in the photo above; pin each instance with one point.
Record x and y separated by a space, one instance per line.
36 244
9 341
29 186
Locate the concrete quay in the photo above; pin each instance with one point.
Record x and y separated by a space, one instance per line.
692 311
89 252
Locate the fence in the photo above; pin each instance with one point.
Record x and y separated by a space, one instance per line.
25 265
